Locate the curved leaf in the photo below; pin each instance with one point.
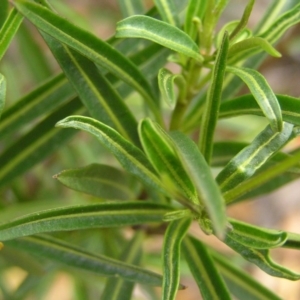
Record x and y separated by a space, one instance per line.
167 10
107 214
158 32
56 250
2 92
263 94
171 257
251 158
207 277
101 181
131 158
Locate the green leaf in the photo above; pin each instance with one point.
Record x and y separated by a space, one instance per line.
167 10
90 46
256 237
158 32
263 94
2 92
42 100
206 275
131 158
3 11
251 158
241 285
293 241
120 289
101 181
131 7
261 258
37 144
9 29
213 100
171 257
200 173
107 214
69 255
161 152
246 104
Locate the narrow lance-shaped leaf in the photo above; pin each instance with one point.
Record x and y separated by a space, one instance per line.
168 12
263 94
207 188
131 158
292 241
158 32
90 46
161 152
2 93
247 104
121 289
171 257
56 250
101 181
3 11
261 258
9 29
206 275
213 100
131 7
256 237
107 214
251 158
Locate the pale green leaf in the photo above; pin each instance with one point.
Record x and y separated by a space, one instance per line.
158 32
168 12
263 94
2 92
131 7
101 181
171 257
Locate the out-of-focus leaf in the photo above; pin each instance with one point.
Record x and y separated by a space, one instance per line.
131 158
37 144
240 284
171 257
88 45
2 92
207 277
256 237
102 181
213 100
40 101
120 289
3 11
161 152
69 255
246 104
263 94
251 158
9 29
131 7
107 214
207 188
158 32
261 258
168 12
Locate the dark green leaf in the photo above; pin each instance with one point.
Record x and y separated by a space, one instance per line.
2 92
168 12
293 241
171 257
3 11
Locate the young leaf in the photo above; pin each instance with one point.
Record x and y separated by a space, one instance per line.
290 108
171 257
90 46
158 32
213 100
120 289
9 29
131 7
101 181
56 250
263 94
107 214
131 158
207 277
2 92
207 188
256 237
162 154
251 158
167 10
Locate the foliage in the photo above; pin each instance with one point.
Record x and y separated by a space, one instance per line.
153 173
